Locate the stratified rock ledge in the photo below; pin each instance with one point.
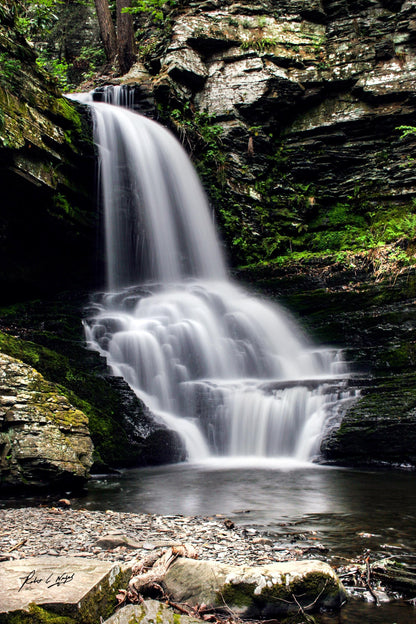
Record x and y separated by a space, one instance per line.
44 440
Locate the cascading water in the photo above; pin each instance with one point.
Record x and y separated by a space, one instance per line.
230 372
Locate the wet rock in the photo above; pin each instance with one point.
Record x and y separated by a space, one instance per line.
264 591
44 440
46 167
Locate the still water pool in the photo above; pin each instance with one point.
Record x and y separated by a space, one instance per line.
351 511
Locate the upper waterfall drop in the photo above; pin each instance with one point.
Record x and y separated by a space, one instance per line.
157 223
231 373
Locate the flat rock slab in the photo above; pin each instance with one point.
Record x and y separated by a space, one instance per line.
149 612
80 588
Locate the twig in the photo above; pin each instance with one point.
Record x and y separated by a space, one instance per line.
368 579
309 618
312 604
16 546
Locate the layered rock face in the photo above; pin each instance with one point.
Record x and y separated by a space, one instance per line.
44 440
292 110
46 174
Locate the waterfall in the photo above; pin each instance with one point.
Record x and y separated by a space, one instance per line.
232 373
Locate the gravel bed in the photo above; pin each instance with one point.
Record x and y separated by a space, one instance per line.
115 536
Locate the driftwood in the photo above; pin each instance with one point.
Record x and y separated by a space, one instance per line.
149 572
399 576
387 573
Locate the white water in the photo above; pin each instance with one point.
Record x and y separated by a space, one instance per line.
230 372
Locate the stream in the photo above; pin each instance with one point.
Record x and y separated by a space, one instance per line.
346 512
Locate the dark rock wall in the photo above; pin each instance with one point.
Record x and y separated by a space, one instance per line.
373 318
48 223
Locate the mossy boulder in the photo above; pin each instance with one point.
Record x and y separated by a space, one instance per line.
150 612
48 336
255 592
44 439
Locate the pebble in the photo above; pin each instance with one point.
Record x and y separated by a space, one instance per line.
79 532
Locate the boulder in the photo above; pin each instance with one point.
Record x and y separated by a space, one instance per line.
149 612
259 592
82 590
44 440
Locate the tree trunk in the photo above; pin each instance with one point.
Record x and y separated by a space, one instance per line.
125 37
107 30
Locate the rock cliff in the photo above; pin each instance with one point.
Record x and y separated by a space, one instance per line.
46 175
291 111
44 440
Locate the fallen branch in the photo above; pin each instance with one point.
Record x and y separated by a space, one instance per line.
308 618
368 580
148 573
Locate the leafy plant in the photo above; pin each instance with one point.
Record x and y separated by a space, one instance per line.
36 16
155 9
9 68
406 130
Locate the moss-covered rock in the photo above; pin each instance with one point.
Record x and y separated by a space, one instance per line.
255 592
48 335
44 440
380 428
149 612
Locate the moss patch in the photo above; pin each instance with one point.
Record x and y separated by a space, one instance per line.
238 594
37 615
85 391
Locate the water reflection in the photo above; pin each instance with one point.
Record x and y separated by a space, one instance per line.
350 510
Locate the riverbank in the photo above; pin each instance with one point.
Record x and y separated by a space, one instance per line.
62 533
86 541
120 537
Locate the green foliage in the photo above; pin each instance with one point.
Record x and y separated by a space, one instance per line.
406 130
55 28
56 68
155 9
36 17
200 128
9 67
261 44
